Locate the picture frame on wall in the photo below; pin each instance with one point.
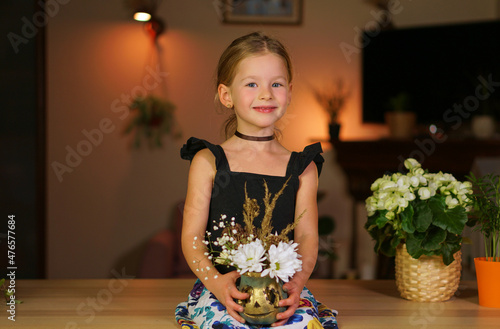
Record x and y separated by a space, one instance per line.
262 12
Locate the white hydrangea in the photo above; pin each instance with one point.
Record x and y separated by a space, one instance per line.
394 193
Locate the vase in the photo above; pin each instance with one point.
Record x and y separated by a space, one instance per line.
401 124
265 293
334 131
488 283
426 279
483 126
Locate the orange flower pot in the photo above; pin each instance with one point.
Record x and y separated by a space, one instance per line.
488 281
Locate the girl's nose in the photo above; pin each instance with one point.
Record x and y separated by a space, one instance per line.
265 94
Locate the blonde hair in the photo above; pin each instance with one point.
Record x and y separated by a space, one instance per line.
243 47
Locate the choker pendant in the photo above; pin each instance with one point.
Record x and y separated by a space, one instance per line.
253 138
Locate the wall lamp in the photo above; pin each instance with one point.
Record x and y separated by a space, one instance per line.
145 11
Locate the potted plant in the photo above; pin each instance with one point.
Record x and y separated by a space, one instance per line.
483 121
419 218
332 99
400 119
326 248
8 293
485 217
154 118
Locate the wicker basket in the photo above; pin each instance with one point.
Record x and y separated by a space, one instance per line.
426 279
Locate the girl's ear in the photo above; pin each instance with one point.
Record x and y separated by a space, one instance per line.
225 96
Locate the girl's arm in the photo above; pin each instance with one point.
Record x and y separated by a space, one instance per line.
306 235
195 218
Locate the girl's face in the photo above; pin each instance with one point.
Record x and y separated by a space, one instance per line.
260 92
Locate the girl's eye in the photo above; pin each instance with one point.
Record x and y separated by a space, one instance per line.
277 84
252 84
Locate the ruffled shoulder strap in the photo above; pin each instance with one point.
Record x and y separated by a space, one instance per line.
194 145
302 159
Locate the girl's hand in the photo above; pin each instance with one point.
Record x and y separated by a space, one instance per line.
293 290
225 290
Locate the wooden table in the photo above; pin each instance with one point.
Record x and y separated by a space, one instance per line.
141 303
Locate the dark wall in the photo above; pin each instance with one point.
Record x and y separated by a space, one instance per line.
22 137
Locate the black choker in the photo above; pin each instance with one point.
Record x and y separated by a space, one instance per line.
253 138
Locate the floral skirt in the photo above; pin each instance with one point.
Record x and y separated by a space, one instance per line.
204 311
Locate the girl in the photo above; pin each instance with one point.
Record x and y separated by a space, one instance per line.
254 78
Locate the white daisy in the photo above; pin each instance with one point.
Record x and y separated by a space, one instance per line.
249 257
283 261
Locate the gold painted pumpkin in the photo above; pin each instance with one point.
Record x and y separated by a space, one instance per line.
265 293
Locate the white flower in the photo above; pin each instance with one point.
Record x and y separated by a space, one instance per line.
376 184
283 261
414 181
451 202
409 196
464 188
249 257
371 205
223 258
388 186
403 184
391 203
402 203
424 193
421 179
411 163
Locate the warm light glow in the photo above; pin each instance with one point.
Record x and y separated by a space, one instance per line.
142 16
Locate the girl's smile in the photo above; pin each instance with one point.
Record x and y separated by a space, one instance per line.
264 109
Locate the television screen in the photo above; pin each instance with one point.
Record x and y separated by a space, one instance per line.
443 71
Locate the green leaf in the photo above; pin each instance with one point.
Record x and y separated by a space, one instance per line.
413 246
447 255
452 220
387 249
381 220
395 242
433 239
423 216
407 219
383 238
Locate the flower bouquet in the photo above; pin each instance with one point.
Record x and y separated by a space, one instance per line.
421 214
264 259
